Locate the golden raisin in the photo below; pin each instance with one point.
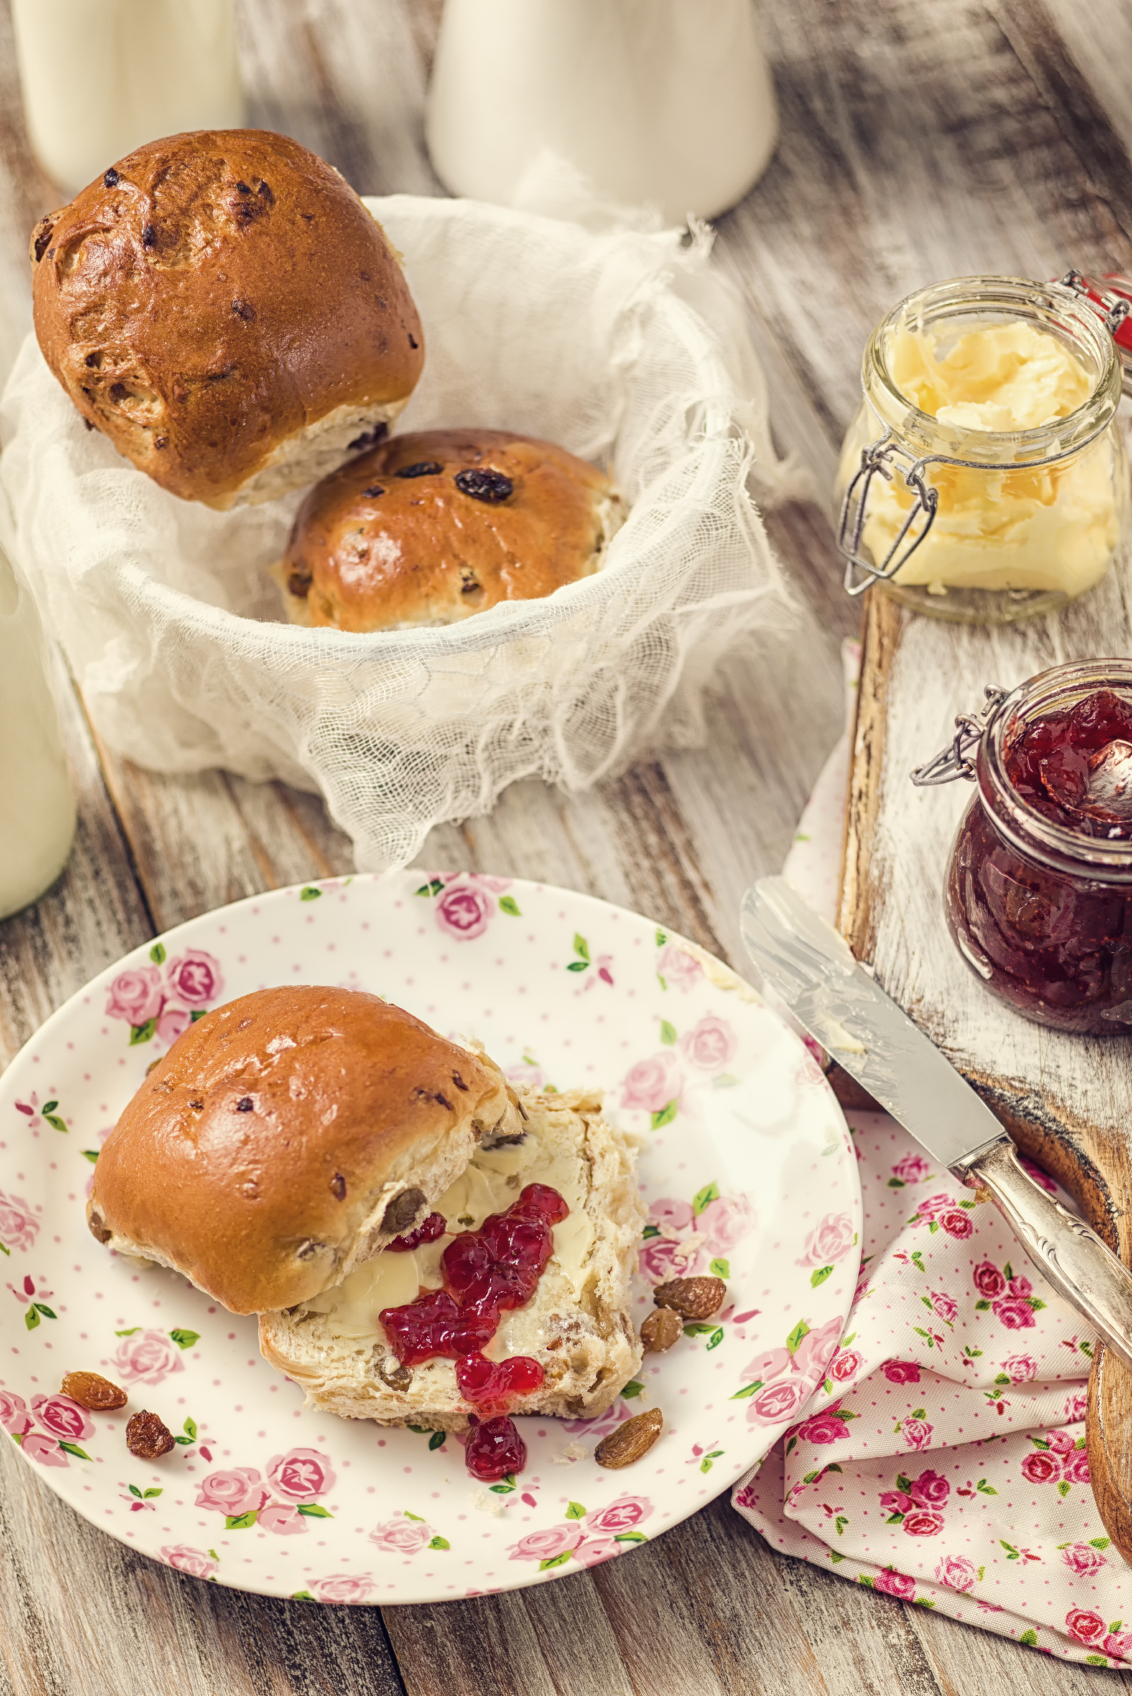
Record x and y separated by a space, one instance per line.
92 1390
692 1298
660 1330
631 1440
147 1436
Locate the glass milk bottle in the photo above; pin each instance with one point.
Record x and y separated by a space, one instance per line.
100 77
662 102
37 803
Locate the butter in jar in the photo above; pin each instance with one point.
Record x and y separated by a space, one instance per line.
984 477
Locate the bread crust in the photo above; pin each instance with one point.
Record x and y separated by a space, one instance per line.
383 543
288 1136
214 296
578 1324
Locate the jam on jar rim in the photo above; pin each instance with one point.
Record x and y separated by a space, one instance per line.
1050 306
1037 838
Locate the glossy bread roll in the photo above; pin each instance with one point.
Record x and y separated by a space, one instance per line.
224 309
287 1137
436 525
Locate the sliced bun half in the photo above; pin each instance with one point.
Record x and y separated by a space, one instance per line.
287 1137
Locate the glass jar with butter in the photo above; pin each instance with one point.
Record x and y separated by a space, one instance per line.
984 478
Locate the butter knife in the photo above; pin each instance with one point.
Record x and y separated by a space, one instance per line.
804 961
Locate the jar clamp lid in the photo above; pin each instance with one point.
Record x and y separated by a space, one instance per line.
955 759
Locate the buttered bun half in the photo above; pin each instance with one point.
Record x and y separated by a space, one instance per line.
288 1137
436 525
224 309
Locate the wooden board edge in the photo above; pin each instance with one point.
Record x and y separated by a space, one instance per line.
883 623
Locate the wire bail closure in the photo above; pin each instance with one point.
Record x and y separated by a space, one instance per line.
955 759
877 459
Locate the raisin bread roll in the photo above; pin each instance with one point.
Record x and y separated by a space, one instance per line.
225 310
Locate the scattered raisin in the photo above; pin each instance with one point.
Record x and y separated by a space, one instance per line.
459 1082
149 236
338 1186
469 582
631 1440
245 1104
244 310
89 425
692 1298
402 1210
300 580
94 359
308 1250
243 188
413 342
197 1106
423 468
110 178
373 491
490 486
660 1330
98 1228
148 1437
92 1390
265 194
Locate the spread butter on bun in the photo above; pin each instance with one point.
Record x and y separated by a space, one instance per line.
225 310
436 525
287 1137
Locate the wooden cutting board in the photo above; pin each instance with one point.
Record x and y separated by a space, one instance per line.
1066 1099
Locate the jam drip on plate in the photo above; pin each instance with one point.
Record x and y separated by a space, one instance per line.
486 1273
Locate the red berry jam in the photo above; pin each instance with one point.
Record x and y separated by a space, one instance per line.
428 1232
495 1450
486 1273
1039 890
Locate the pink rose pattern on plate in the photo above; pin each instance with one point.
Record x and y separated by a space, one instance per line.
162 999
288 1495
938 1460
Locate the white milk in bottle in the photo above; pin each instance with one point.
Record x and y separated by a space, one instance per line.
37 803
100 77
661 102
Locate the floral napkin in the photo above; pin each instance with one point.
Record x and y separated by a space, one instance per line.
941 1456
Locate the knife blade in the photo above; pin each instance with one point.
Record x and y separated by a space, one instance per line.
809 967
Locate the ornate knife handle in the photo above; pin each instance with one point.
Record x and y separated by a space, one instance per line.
1067 1252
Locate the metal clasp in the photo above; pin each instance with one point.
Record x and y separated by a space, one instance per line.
878 458
955 760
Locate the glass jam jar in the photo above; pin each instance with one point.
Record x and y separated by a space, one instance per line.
1039 886
970 523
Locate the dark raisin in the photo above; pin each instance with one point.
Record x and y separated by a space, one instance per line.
265 194
397 1377
98 1228
402 1210
197 1106
244 309
110 178
433 1095
459 1082
373 491
148 1437
243 188
368 438
423 468
94 359
245 1104
338 1185
161 441
299 581
469 582
149 236
308 1250
490 486
119 392
89 425
413 342
45 229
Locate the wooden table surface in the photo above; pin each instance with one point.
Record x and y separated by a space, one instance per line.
921 139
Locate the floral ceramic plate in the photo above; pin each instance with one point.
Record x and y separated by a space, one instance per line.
747 1169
